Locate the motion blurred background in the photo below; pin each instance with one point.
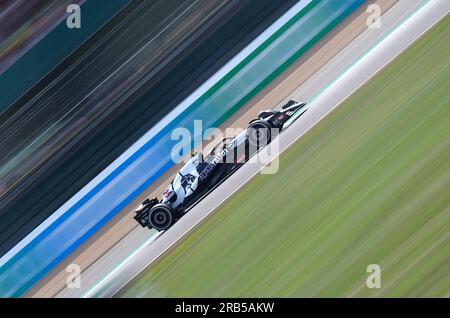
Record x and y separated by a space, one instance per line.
368 184
24 23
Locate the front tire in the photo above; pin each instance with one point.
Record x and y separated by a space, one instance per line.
259 133
161 217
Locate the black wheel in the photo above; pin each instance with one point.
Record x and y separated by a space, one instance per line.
161 217
259 133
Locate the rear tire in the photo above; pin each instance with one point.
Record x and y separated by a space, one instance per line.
161 217
259 133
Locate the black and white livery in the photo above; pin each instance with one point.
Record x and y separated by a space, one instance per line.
201 173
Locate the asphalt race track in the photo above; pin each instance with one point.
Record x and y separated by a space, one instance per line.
142 239
362 71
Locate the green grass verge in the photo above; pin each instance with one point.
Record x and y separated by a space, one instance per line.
369 184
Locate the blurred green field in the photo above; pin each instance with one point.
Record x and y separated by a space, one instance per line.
369 184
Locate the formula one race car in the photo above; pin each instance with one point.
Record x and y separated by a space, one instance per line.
201 173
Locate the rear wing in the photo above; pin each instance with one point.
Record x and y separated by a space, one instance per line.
293 105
